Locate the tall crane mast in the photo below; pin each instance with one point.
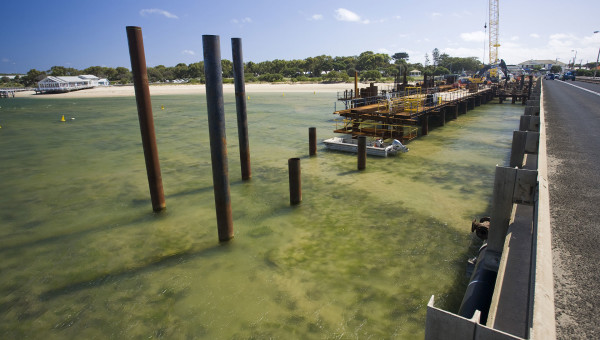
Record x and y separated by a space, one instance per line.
494 22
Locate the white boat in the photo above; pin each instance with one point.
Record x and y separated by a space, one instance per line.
376 148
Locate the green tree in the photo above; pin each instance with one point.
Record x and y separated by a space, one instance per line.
556 69
372 61
271 77
227 67
58 71
435 55
370 75
180 71
336 76
440 71
400 57
98 71
123 75
155 75
32 77
196 70
249 67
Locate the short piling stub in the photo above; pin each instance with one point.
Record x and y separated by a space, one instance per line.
295 181
362 152
144 106
312 141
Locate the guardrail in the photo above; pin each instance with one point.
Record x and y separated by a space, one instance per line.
589 80
517 261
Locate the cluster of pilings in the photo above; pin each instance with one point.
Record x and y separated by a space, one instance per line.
519 91
216 123
216 128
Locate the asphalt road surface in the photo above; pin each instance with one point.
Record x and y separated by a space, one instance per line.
573 144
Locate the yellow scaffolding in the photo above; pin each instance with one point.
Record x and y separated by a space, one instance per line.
412 101
376 128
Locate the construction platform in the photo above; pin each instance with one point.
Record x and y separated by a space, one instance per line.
400 114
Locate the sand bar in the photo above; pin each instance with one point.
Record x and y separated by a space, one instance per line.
157 90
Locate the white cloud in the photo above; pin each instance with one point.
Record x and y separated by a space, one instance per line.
245 20
342 14
436 14
5 60
169 15
384 50
477 36
514 38
316 17
534 35
464 52
561 40
188 52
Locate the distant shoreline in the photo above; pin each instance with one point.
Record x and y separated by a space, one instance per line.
157 90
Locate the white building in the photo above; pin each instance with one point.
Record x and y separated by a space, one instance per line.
545 64
67 83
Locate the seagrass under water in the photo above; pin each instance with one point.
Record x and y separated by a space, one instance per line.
83 256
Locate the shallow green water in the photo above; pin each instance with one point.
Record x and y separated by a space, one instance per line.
83 256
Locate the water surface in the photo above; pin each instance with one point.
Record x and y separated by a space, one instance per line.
84 256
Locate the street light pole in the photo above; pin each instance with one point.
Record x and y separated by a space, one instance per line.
597 58
574 58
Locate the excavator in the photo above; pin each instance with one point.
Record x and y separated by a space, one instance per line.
493 73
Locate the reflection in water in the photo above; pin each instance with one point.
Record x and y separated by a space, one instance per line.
84 255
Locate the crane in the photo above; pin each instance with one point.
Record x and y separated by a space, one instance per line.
494 22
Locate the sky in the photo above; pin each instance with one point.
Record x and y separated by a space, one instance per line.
81 33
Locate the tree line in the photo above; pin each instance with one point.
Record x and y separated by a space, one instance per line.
369 65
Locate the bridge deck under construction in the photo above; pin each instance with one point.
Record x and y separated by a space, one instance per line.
398 117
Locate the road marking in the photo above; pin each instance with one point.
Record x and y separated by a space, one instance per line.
579 87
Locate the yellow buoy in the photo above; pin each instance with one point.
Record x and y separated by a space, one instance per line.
162 107
248 97
314 92
283 95
62 119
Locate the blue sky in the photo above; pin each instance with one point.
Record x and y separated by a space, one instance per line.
81 33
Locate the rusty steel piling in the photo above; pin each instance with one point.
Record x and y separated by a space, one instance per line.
362 152
240 103
216 128
312 141
144 107
295 181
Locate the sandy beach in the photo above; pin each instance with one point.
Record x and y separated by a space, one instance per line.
157 90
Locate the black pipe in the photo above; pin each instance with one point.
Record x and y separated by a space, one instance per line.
478 295
144 107
216 129
240 103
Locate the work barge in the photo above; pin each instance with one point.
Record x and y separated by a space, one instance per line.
406 112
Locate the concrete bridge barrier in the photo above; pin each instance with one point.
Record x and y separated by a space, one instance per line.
518 249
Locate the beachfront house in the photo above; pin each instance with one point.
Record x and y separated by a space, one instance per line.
415 73
66 83
545 65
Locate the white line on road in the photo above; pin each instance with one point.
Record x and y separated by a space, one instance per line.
579 87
